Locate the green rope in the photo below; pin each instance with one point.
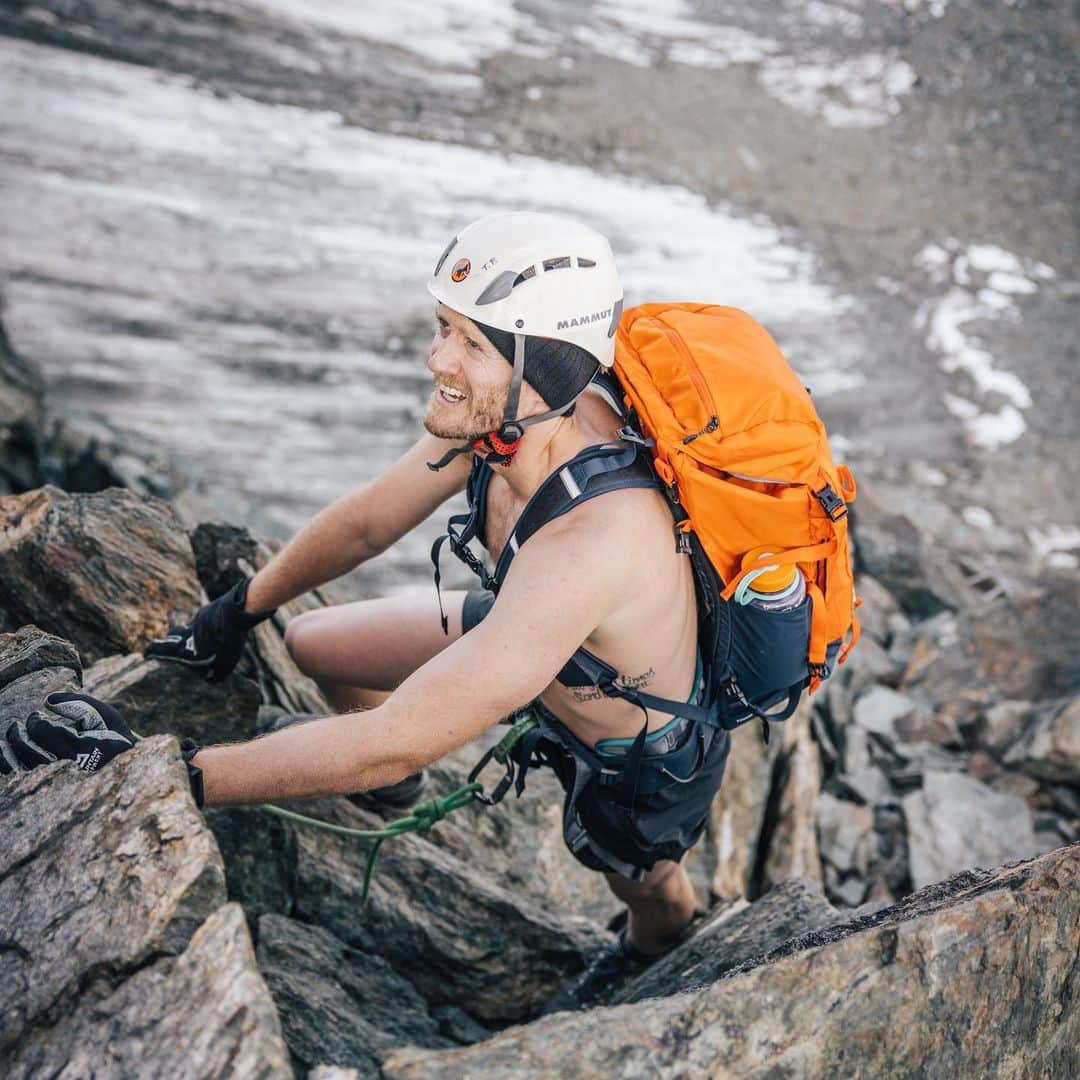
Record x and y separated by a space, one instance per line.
525 722
424 815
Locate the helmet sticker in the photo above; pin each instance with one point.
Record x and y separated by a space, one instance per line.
461 270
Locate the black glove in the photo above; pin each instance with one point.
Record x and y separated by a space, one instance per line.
72 727
214 639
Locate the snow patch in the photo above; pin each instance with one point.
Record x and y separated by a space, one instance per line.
980 282
458 35
638 32
453 40
922 472
862 91
1055 545
935 8
978 517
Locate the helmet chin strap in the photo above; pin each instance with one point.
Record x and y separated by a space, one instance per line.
501 446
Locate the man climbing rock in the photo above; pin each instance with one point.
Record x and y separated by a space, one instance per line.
590 614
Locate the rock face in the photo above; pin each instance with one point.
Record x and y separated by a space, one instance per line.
900 992
157 697
127 840
339 1006
117 956
117 949
117 952
37 447
22 411
206 1012
792 841
1048 746
956 821
106 571
732 937
459 937
737 817
891 548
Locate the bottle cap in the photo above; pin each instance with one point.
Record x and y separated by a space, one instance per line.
770 579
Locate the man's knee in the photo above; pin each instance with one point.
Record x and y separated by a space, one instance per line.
301 638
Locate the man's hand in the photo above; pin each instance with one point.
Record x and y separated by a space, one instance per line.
72 727
214 639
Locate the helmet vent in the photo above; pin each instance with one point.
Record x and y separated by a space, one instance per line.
442 258
562 263
528 272
585 262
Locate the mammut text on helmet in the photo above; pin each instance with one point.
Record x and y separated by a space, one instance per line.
582 320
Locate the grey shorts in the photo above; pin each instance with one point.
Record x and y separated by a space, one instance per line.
477 604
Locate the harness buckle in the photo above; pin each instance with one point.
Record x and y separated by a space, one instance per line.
682 537
628 434
831 503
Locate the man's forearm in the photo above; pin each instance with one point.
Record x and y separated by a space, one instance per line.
438 708
331 544
335 755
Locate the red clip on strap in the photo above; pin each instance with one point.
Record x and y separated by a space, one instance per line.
491 442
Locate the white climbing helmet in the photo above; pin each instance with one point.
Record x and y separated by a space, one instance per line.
539 275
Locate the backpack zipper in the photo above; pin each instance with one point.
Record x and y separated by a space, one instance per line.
702 387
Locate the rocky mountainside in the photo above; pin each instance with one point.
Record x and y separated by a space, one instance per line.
859 918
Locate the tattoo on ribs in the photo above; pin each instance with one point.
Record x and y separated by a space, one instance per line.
628 682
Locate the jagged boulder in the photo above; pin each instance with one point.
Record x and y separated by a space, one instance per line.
955 822
165 698
880 614
733 936
790 836
458 934
22 412
729 848
224 555
116 954
106 571
31 649
846 842
339 1006
1020 649
1048 746
898 553
99 874
206 1012
975 976
32 665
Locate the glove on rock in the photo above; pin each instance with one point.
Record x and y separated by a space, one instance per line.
214 639
72 727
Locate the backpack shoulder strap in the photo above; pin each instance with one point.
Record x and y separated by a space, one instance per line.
461 528
595 471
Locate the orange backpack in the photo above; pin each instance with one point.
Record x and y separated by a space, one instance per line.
744 454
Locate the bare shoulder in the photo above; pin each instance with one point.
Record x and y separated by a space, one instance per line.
618 513
610 528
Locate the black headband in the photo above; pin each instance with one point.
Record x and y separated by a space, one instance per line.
557 370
